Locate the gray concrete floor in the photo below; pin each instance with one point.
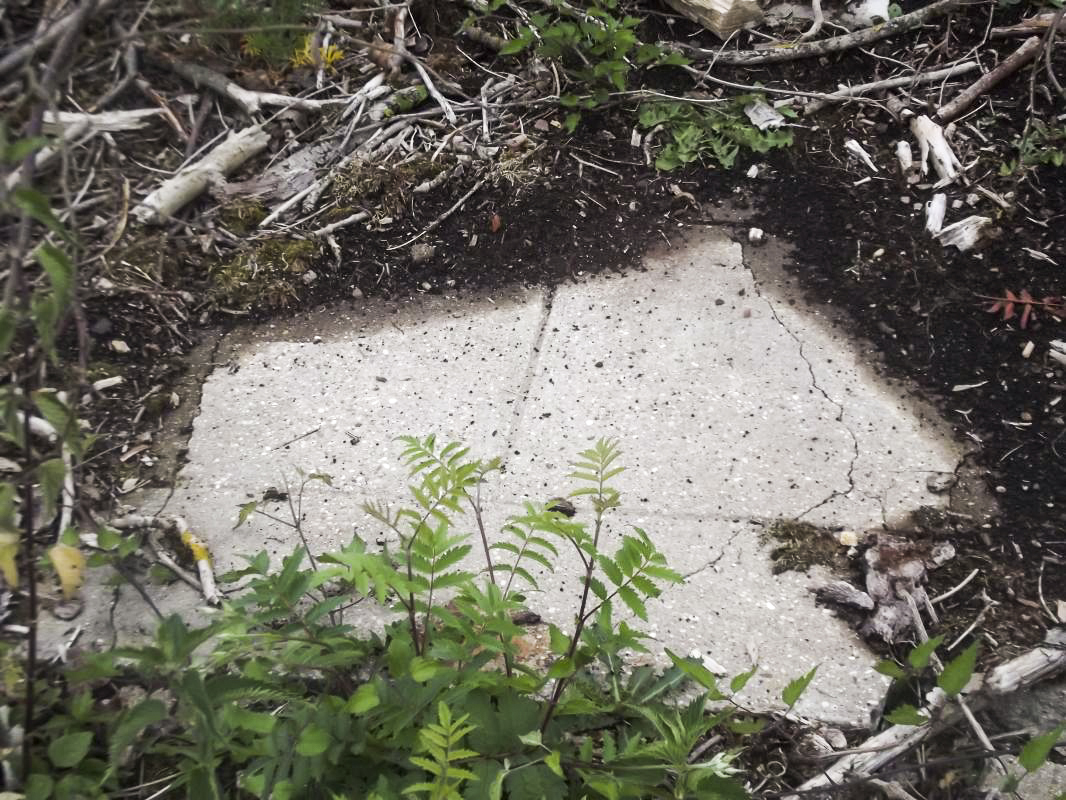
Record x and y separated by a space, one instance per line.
735 404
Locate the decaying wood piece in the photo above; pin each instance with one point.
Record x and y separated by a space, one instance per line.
190 182
721 17
965 233
880 750
823 47
911 172
935 210
130 120
844 593
1011 64
1028 27
896 569
847 92
933 146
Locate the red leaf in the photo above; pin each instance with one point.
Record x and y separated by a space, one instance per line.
496 223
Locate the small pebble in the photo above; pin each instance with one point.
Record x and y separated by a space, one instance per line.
940 482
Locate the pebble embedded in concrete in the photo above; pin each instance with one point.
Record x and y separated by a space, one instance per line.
730 414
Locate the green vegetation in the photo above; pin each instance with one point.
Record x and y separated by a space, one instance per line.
278 696
718 132
266 38
596 49
267 275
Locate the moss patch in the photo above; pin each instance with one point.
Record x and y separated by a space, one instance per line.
267 275
243 216
364 185
800 545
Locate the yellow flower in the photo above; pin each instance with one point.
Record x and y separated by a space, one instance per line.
305 57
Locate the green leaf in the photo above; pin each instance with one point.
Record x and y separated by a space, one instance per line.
50 473
531 739
958 671
518 44
364 699
1036 750
745 727
906 714
39 787
145 713
17 150
920 655
562 668
313 741
422 669
60 272
107 538
796 688
35 204
741 680
553 761
246 511
571 121
699 673
631 599
891 669
68 751
254 721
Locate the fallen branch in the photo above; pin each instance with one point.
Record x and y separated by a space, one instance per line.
885 747
835 44
845 93
248 101
1028 27
179 533
190 182
1011 64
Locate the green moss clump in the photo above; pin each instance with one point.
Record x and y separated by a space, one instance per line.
267 275
243 216
365 185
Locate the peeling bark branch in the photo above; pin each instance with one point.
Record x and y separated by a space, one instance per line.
190 182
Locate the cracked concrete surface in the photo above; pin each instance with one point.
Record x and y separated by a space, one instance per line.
734 402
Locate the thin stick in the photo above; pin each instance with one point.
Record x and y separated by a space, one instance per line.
328 229
849 92
1011 64
941 598
297 438
433 225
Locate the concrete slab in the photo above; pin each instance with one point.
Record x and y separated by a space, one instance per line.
732 405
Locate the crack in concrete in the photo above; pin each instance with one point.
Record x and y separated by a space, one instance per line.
519 408
714 561
835 493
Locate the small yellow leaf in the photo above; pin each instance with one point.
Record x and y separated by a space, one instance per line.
9 548
196 547
70 566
